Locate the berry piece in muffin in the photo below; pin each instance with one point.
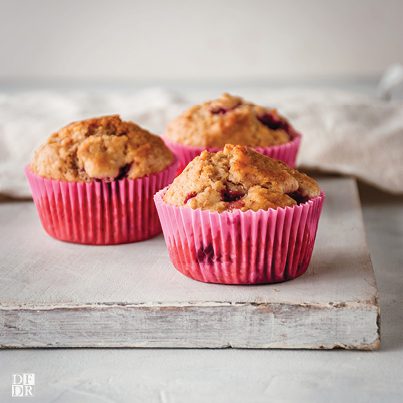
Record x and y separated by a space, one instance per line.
239 178
104 148
229 119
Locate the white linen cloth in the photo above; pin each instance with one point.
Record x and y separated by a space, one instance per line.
342 132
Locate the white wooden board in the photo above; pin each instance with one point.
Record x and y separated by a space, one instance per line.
55 294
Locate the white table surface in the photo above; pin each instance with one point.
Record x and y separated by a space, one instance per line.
176 375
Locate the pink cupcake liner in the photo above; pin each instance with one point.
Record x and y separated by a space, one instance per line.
285 152
99 212
240 247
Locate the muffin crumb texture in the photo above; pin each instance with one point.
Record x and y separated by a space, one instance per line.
229 119
239 178
104 148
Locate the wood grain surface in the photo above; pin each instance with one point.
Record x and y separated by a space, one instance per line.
55 294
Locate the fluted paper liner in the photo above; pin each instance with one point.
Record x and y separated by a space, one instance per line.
285 152
99 212
240 247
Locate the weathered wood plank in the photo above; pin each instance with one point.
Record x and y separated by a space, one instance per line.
55 294
244 325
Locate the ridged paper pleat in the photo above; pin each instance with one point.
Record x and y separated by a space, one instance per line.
285 152
99 212
240 247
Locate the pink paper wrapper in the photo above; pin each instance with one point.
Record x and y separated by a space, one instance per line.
98 212
284 152
240 247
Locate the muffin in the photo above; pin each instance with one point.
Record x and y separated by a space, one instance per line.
230 119
93 181
239 217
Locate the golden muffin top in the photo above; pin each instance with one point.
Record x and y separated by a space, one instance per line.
105 148
229 120
239 178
